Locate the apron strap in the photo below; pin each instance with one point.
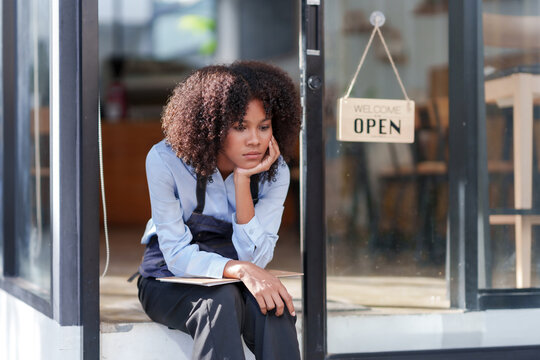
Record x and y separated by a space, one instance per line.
254 187
201 191
133 276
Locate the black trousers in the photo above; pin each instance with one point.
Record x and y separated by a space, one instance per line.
217 316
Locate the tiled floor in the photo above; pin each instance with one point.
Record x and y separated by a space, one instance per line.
126 250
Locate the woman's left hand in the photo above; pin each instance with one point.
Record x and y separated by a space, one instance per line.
266 162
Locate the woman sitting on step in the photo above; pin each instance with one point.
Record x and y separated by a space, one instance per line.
217 185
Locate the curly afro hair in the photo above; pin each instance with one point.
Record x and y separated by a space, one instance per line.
203 108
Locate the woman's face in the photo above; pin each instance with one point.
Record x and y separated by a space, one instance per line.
246 144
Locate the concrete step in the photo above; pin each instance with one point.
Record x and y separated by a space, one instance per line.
128 333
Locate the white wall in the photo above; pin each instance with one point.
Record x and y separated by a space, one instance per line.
492 328
28 334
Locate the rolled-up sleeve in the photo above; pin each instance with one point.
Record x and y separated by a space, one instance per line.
255 241
174 237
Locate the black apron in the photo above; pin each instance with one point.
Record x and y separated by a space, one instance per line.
209 233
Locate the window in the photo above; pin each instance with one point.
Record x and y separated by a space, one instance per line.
32 225
52 76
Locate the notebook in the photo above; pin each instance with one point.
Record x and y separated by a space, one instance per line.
203 281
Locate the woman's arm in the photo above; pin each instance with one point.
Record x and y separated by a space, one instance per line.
256 244
245 210
244 204
255 228
174 237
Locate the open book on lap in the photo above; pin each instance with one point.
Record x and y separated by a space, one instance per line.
202 281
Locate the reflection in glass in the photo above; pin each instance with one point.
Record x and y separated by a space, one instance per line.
387 204
158 29
146 47
512 70
33 234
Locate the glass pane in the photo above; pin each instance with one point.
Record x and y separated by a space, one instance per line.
386 204
33 233
512 71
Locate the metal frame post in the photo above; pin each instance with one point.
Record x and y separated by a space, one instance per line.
312 228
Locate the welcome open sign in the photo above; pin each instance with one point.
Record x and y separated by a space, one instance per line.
375 120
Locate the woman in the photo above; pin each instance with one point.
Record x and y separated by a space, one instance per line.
217 185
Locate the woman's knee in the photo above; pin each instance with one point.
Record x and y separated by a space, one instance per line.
228 297
221 301
219 308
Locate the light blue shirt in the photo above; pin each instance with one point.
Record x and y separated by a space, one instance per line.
172 188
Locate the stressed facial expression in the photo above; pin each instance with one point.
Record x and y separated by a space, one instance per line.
246 143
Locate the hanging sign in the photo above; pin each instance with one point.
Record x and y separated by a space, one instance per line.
375 120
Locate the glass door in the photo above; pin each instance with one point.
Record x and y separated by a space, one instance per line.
386 203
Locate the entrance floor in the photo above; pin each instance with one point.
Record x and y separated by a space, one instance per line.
353 295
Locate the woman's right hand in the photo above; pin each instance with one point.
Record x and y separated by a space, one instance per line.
269 292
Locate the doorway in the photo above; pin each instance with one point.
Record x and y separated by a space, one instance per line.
146 48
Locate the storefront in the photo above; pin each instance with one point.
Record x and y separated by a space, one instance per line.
423 250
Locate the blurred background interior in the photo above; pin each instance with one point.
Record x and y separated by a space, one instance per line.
146 48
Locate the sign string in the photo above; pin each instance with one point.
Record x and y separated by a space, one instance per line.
377 30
